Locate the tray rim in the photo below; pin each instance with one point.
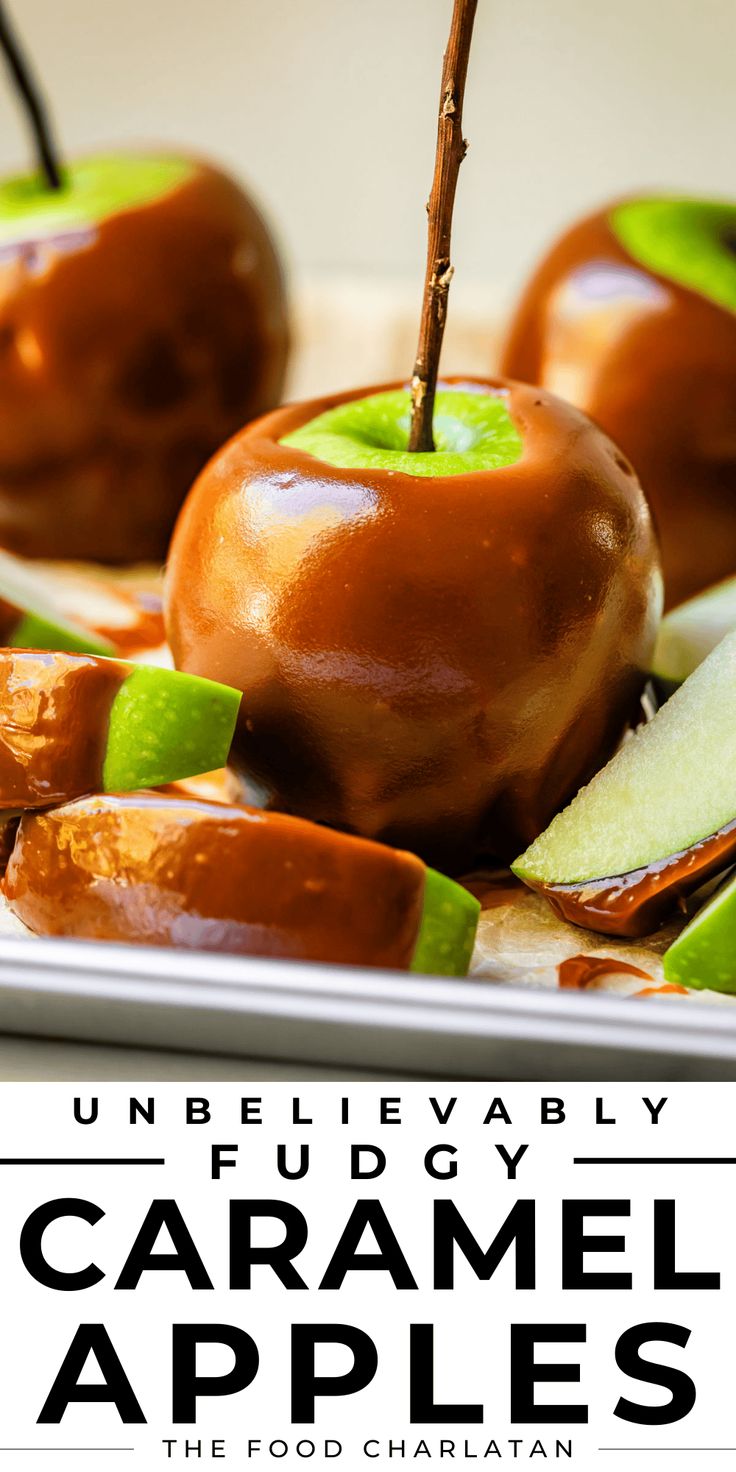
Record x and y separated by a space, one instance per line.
44 980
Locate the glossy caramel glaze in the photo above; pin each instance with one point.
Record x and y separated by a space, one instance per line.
54 716
634 904
655 365
168 872
127 355
436 662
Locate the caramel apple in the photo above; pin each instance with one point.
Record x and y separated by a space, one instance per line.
158 870
440 599
632 317
71 724
437 648
142 320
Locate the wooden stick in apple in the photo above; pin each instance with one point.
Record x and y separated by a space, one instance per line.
48 154
451 150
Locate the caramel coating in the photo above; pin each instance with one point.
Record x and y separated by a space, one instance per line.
635 904
126 358
54 718
164 871
655 365
435 662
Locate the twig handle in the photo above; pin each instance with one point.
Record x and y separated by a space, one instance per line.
451 150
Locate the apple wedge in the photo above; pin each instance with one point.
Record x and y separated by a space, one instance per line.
704 954
159 870
689 633
71 724
657 821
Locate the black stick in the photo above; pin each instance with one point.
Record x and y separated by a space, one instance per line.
48 155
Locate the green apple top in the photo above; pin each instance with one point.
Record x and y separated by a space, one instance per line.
93 189
472 430
690 241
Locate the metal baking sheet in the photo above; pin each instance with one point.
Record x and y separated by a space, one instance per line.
351 1017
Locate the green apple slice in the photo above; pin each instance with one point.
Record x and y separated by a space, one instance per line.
447 930
93 189
690 241
41 622
689 633
672 784
165 726
473 430
704 954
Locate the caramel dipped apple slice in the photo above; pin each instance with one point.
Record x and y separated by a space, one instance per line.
71 724
54 608
657 821
33 616
158 870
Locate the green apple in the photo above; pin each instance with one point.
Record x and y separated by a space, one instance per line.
704 954
472 431
690 241
34 617
688 633
670 788
92 189
447 932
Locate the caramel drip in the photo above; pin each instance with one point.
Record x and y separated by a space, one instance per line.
578 972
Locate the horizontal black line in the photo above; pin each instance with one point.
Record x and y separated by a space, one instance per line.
654 1160
76 1160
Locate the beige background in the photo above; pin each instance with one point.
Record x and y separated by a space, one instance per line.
327 107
